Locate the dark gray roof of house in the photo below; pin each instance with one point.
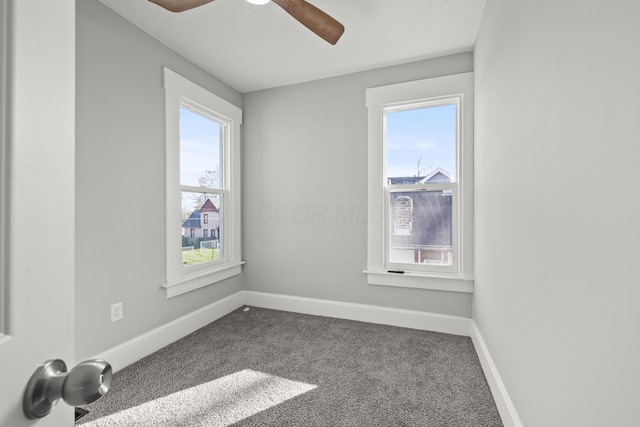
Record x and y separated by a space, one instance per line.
193 221
438 175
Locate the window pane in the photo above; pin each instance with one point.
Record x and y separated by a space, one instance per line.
421 145
420 227
200 150
201 241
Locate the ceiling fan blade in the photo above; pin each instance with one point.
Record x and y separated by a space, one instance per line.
313 18
180 5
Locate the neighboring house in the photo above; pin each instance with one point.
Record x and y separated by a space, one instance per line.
203 223
422 221
436 175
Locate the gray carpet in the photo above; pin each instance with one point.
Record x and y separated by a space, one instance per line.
272 368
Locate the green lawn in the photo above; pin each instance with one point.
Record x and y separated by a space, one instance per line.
195 257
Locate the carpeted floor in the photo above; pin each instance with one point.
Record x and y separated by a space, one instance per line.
272 368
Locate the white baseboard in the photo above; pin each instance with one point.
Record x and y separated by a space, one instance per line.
506 409
361 312
149 342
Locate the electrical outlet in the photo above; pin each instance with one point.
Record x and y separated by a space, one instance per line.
117 312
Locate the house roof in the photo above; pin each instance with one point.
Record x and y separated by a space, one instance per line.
436 175
208 207
193 221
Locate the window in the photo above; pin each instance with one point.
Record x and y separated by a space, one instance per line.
421 184
202 185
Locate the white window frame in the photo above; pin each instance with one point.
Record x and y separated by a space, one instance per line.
4 170
180 91
457 277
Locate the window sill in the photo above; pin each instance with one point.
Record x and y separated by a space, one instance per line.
201 279
5 339
420 281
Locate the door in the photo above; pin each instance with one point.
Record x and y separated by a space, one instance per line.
37 141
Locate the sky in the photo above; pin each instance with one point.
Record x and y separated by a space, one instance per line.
200 149
199 146
427 134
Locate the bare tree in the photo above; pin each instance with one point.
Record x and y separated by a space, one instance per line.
210 179
421 171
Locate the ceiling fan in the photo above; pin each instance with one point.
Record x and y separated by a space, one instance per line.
307 14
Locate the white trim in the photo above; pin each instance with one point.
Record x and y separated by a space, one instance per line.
362 312
417 90
421 186
4 168
135 349
505 406
185 88
203 278
409 94
181 91
143 345
420 281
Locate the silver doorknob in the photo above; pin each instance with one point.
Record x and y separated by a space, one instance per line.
85 383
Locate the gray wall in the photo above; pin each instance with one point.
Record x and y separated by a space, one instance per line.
557 207
305 190
120 181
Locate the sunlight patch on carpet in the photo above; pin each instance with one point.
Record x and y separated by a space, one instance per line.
220 402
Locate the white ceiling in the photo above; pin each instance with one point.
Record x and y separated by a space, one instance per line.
253 47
